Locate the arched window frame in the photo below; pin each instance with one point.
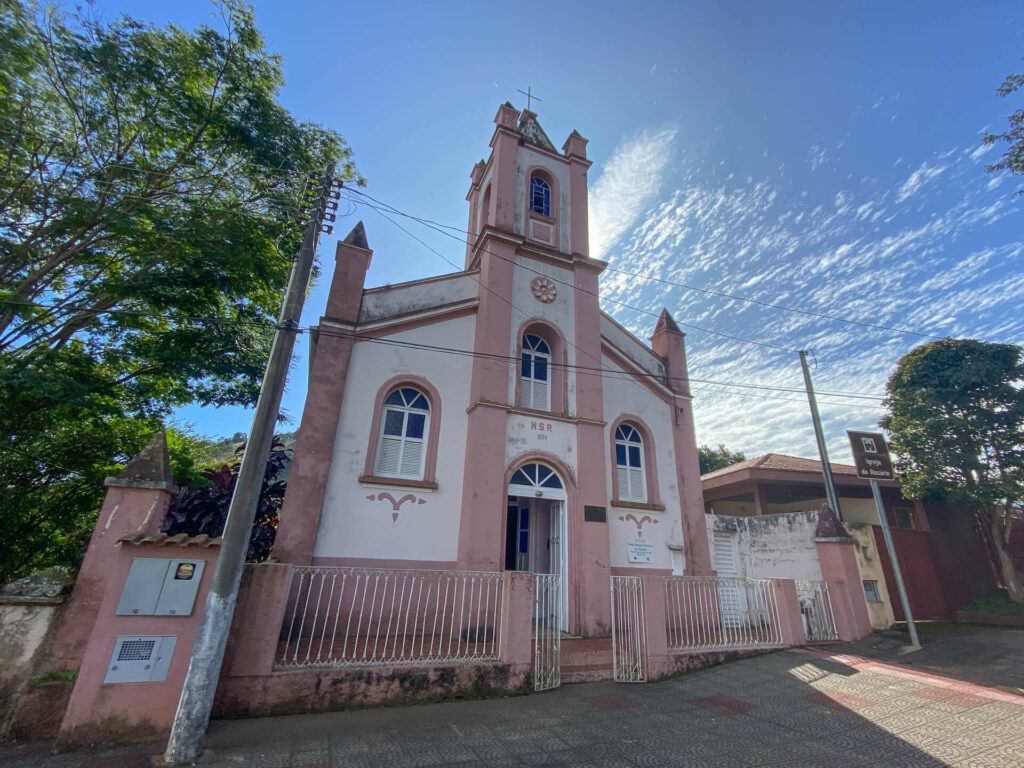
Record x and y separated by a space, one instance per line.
540 195
550 221
535 372
652 494
427 477
629 463
557 372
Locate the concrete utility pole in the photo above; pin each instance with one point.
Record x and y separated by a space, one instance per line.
915 642
193 714
830 484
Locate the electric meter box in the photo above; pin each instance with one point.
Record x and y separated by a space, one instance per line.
140 659
157 587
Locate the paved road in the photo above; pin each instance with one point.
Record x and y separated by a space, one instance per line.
782 709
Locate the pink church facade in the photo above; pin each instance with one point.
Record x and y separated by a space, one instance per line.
495 419
495 489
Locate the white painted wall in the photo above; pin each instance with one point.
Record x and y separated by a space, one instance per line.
525 434
630 346
353 525
772 546
627 395
403 299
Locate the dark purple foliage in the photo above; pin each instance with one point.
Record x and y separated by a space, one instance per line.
204 510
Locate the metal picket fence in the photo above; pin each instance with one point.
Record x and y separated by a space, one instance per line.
816 610
374 616
547 631
721 613
629 629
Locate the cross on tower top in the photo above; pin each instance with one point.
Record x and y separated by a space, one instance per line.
528 93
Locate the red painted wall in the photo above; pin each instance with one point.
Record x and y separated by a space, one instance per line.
917 561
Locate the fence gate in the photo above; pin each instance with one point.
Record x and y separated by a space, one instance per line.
547 631
629 630
816 610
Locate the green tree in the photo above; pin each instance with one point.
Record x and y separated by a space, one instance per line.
1013 159
717 458
956 421
151 189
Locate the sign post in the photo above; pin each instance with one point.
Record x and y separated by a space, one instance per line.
871 456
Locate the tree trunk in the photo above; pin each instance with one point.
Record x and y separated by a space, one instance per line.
1006 565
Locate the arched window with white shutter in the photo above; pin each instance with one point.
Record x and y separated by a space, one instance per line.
535 374
634 465
404 429
629 464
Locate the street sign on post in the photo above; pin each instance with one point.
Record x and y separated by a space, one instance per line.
871 456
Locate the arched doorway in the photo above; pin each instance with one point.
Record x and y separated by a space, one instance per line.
536 534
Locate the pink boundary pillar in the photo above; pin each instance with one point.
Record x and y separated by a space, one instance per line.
656 627
669 343
838 560
517 619
791 623
137 500
314 446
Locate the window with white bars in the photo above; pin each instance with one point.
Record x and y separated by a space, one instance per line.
629 464
535 373
403 434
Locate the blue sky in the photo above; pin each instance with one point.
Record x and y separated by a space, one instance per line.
823 156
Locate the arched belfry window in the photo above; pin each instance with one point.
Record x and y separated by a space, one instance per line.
540 196
629 464
534 389
404 427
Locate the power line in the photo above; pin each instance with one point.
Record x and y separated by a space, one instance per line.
708 291
568 284
327 331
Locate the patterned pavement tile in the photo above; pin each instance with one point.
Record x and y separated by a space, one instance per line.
725 705
950 696
837 700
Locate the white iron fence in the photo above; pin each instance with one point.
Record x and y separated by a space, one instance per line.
816 610
719 613
547 631
372 616
629 630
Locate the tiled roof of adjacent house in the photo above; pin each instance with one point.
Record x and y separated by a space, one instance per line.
164 540
781 463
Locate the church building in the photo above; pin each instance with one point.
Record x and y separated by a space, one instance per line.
496 419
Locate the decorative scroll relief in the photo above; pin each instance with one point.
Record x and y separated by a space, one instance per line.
396 505
544 289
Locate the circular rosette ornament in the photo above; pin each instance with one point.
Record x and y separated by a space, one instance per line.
543 289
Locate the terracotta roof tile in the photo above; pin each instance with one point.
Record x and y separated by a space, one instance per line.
162 539
781 463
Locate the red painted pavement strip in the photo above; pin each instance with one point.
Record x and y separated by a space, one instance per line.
610 701
725 705
860 662
950 695
837 700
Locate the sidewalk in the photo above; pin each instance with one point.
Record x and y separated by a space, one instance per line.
790 708
986 655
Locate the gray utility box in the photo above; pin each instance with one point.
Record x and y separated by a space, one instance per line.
140 659
157 587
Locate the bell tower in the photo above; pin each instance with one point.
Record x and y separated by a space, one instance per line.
529 189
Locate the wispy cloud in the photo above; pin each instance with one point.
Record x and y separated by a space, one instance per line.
918 179
628 184
919 252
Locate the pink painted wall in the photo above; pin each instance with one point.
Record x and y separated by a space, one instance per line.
99 712
839 568
314 445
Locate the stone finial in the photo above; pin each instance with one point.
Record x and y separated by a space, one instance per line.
357 237
507 116
666 323
149 468
829 526
477 174
575 146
